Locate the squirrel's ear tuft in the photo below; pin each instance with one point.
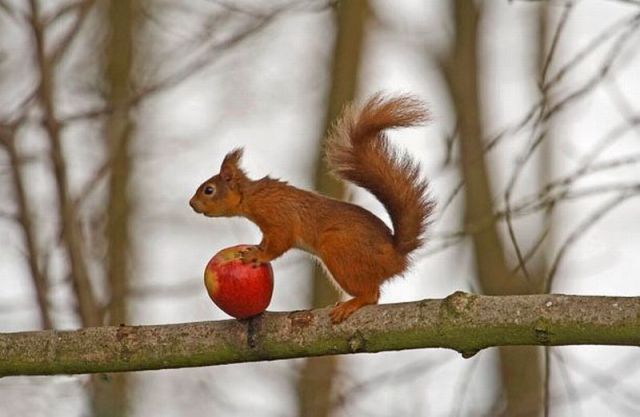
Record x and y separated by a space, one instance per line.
230 168
233 157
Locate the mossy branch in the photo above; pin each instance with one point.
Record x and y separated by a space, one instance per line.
464 322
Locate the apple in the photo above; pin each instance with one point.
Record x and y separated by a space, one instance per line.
240 290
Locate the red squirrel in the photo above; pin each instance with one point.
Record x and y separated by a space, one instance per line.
357 248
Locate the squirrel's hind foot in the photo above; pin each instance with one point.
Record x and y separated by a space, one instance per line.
343 310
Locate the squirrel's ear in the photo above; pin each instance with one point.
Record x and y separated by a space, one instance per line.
230 168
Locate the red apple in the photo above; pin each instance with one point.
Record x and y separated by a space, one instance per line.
240 290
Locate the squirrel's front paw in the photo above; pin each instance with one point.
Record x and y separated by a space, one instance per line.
251 255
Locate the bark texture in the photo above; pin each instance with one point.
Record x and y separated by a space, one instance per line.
464 322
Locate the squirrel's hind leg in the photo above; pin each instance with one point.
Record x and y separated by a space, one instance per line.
343 310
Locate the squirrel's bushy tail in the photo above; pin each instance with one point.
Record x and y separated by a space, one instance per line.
358 151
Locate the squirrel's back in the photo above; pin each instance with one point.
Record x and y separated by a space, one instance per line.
359 151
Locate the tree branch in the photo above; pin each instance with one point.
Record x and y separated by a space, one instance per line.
464 322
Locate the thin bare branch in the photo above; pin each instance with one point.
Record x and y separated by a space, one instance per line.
69 8
588 85
293 5
614 29
522 263
542 236
83 8
622 28
448 201
622 103
614 380
584 226
10 11
406 373
204 59
562 24
70 233
560 189
39 276
229 6
522 160
92 184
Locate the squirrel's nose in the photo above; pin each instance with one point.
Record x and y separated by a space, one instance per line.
194 204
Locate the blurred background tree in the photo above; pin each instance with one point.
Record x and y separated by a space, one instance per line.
111 113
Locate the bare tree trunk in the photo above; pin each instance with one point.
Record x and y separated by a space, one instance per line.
119 135
317 375
111 392
520 367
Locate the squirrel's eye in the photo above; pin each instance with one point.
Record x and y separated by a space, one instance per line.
208 190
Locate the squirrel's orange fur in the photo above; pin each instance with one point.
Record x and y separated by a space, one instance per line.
356 247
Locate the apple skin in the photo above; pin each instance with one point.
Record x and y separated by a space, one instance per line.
240 290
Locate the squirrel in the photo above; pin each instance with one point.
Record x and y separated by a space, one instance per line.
356 247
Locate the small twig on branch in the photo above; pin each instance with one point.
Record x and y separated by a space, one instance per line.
464 322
